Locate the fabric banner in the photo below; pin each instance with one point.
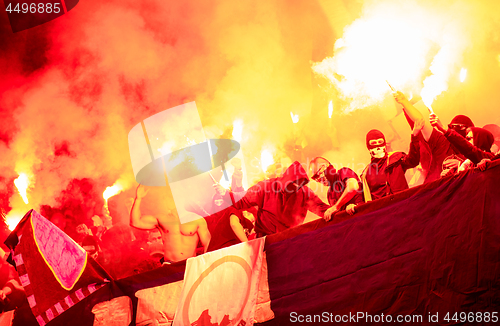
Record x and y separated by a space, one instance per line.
220 287
435 252
55 271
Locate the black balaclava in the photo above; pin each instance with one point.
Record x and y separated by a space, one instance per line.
462 120
483 139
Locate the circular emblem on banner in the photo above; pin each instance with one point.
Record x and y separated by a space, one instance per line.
228 259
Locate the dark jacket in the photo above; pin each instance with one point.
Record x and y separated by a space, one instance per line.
483 140
397 164
280 205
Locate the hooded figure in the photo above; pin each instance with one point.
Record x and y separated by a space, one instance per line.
495 130
225 232
385 174
282 202
482 140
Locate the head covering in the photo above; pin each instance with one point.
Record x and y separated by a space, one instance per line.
294 174
372 135
463 120
483 139
330 171
495 130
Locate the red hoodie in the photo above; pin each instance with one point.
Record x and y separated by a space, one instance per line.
281 205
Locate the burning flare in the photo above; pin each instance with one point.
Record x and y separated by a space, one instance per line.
330 109
22 183
111 191
266 159
237 129
13 218
391 42
463 74
295 117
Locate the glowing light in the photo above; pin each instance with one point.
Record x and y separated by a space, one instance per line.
22 183
330 109
225 183
266 159
463 74
12 219
111 191
237 129
389 42
295 117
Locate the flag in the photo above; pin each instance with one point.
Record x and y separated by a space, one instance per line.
55 271
220 287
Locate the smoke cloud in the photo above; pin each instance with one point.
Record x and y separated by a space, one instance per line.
71 89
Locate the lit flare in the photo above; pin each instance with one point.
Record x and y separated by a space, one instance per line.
22 183
266 159
463 74
111 191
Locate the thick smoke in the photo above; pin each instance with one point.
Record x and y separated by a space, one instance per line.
71 89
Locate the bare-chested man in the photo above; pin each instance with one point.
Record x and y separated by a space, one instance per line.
179 240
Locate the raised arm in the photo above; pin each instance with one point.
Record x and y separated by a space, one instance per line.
204 234
238 228
468 150
413 158
145 222
413 114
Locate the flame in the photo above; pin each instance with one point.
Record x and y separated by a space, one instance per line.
237 129
111 191
22 183
295 117
13 218
389 42
330 109
463 74
266 159
225 183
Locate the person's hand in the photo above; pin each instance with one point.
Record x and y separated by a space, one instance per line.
3 296
436 123
417 126
351 209
330 212
219 189
237 177
451 164
399 97
141 191
483 165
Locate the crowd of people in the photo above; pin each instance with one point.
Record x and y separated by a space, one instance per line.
235 215
275 204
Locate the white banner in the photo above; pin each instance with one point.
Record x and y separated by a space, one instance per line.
220 287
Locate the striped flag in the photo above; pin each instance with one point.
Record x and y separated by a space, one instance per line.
55 271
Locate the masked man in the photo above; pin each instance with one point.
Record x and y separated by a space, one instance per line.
282 202
385 175
442 153
344 186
